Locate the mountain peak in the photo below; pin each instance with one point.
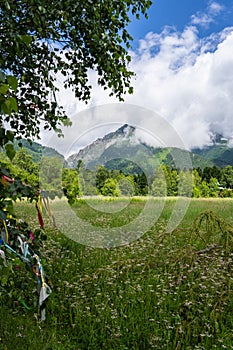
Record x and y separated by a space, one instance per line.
126 128
124 143
91 153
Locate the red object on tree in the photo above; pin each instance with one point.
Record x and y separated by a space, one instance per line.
40 217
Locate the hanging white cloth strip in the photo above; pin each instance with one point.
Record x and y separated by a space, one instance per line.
2 253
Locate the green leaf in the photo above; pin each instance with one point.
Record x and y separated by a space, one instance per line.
6 107
27 39
91 35
2 76
10 135
4 280
130 90
10 151
13 82
7 5
4 88
13 104
9 205
2 133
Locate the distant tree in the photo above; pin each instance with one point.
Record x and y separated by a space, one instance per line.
227 193
199 170
173 188
214 187
196 184
171 176
110 188
227 176
216 172
185 183
159 185
70 184
50 176
126 185
101 176
196 192
205 190
24 161
209 172
141 184
87 179
27 170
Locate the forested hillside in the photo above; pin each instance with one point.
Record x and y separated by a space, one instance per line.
54 178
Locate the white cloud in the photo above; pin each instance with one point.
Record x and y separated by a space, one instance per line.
204 19
186 79
215 8
189 81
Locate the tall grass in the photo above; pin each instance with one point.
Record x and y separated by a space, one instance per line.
163 291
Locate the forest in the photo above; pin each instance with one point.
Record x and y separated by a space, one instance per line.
54 179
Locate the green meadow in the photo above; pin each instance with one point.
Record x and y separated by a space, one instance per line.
165 290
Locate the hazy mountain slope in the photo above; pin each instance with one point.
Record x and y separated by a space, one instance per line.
91 154
122 150
219 154
37 150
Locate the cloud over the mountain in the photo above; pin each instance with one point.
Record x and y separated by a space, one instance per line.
186 79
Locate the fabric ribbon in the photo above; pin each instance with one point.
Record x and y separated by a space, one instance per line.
2 253
45 289
39 213
28 256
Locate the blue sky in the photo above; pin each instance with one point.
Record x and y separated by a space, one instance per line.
182 57
179 14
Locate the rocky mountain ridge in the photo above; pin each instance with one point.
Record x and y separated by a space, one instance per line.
121 147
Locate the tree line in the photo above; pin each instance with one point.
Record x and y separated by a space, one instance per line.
55 179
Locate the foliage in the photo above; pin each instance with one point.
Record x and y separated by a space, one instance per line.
56 180
6 139
42 41
36 150
126 185
227 176
110 188
71 184
209 172
141 184
101 176
159 185
186 183
50 176
12 190
27 170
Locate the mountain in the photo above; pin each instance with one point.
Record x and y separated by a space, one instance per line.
219 154
99 151
123 150
37 150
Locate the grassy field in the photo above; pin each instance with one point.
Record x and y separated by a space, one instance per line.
163 291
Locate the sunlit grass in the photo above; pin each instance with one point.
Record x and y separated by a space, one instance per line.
159 292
